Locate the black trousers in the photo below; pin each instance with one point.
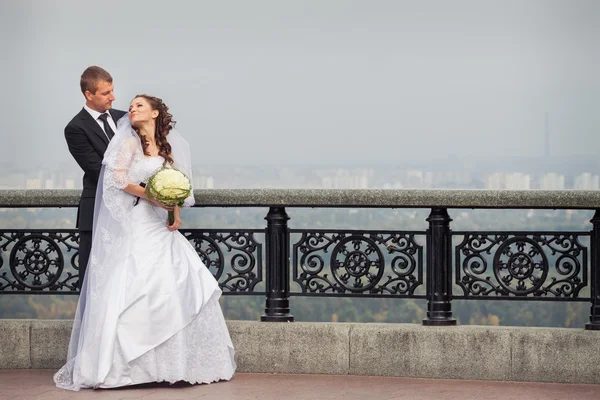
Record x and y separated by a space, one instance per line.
85 247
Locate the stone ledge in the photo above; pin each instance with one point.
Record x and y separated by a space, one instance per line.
292 348
405 350
49 342
464 352
406 198
537 353
15 345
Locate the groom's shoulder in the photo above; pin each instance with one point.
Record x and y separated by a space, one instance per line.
117 113
76 120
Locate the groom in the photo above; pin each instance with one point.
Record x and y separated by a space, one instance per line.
87 136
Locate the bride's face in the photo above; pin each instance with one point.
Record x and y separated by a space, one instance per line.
140 112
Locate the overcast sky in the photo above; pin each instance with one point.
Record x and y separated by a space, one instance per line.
307 81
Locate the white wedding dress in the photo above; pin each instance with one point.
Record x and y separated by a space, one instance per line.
156 317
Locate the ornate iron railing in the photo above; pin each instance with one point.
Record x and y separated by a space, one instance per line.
517 265
366 263
438 265
39 261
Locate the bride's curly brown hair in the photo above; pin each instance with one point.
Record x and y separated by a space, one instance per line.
164 124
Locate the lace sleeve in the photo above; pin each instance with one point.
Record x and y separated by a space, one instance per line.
117 165
116 177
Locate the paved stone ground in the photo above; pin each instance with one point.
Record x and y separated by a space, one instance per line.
37 384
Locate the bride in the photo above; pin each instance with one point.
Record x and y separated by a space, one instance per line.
149 309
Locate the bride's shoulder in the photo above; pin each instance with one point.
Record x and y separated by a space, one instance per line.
131 143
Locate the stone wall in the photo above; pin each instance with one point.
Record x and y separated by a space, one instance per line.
459 352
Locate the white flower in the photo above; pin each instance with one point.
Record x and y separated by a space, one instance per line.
169 186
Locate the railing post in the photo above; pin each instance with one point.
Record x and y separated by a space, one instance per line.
277 243
594 324
439 271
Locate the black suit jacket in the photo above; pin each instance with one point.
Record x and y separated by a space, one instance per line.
87 143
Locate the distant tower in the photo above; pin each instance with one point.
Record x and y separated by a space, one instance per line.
546 139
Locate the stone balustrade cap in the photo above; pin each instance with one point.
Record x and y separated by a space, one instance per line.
353 198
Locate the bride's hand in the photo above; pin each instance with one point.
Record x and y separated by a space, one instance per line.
177 219
157 203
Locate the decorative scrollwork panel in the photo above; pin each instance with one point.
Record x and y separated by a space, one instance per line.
234 257
522 264
358 262
39 261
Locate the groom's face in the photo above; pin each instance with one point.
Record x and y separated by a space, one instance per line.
103 98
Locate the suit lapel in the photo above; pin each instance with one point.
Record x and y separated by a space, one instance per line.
93 125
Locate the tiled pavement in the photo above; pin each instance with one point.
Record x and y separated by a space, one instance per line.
37 384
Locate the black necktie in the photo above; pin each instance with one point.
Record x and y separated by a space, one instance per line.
109 132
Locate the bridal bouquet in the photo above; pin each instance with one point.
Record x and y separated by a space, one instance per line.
170 187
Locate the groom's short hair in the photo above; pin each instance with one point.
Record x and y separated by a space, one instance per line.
90 78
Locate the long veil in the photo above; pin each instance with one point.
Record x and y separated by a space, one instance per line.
91 349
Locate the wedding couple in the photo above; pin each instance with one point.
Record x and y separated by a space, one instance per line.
149 308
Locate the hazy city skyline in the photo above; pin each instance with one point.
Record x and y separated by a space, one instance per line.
313 81
323 177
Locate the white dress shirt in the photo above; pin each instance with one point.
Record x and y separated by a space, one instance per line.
96 115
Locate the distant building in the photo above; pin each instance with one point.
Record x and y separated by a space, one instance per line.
343 179
414 179
33 183
204 182
496 181
587 181
552 181
514 181
518 181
